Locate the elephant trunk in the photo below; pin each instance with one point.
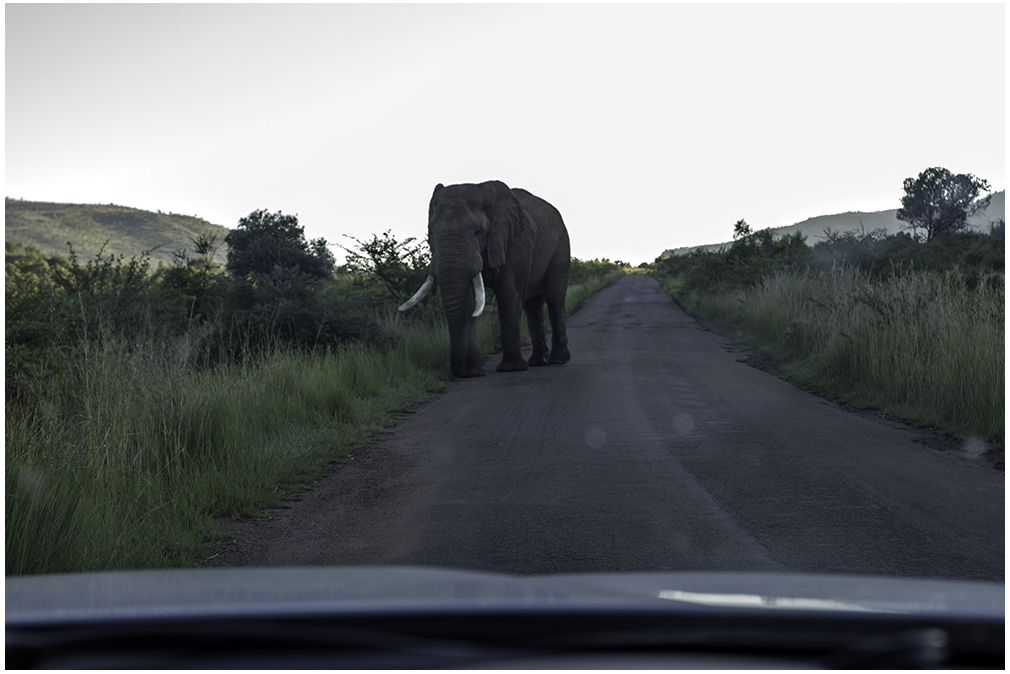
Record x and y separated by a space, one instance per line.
463 300
457 271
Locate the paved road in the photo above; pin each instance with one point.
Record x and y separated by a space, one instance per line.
656 448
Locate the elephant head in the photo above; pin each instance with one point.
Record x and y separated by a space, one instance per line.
470 231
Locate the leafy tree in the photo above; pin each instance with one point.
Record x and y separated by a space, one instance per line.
940 202
401 266
270 243
282 290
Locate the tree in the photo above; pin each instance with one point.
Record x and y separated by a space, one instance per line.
401 266
279 289
940 202
273 243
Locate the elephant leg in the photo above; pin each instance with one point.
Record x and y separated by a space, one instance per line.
559 324
538 335
509 315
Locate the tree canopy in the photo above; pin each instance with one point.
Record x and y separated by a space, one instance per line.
264 242
940 202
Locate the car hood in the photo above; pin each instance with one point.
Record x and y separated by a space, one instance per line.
248 592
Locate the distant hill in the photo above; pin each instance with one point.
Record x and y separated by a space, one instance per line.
814 228
129 231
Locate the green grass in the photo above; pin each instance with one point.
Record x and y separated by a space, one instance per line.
921 346
121 455
138 455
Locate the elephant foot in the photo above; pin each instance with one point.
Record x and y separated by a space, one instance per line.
538 359
560 356
512 365
477 371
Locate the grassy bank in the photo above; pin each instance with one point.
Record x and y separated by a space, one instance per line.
580 292
122 455
923 346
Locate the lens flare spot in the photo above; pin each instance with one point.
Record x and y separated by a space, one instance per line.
974 446
683 423
596 437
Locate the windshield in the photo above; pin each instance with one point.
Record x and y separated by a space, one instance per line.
528 290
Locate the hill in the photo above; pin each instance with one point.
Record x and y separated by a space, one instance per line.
814 228
129 231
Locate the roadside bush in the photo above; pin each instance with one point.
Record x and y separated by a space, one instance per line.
260 313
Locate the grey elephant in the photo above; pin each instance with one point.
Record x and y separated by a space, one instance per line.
488 235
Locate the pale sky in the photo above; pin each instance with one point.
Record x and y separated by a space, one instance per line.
649 126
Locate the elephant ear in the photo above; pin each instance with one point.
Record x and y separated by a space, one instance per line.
507 221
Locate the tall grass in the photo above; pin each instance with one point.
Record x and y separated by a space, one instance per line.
120 454
125 456
924 346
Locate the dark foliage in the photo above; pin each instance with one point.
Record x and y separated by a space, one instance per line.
273 245
257 316
281 289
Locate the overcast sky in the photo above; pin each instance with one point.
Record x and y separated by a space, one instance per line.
648 126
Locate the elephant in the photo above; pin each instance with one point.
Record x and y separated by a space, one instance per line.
488 235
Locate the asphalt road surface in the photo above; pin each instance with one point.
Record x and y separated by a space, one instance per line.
657 448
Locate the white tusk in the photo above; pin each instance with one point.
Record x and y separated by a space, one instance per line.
478 292
419 295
